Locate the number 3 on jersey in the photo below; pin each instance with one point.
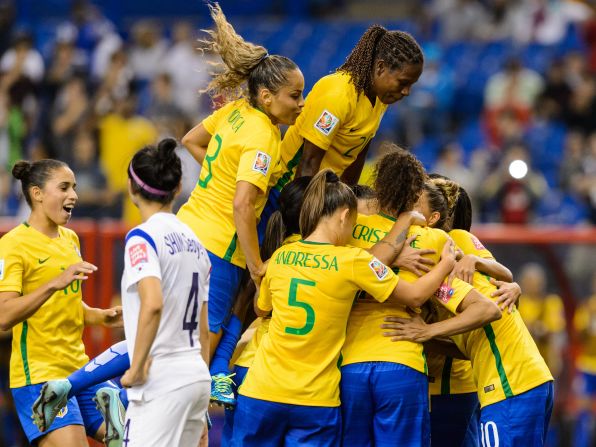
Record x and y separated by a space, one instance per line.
293 301
191 324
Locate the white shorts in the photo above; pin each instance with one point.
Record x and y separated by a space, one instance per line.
173 419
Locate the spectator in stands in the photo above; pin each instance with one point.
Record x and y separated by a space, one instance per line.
22 59
95 198
148 50
188 69
450 164
121 133
69 113
426 111
544 316
571 169
585 325
459 20
514 198
66 62
556 93
581 111
116 83
163 111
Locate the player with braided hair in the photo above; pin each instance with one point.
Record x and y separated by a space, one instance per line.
343 110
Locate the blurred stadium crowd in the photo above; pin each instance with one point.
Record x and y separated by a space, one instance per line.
504 81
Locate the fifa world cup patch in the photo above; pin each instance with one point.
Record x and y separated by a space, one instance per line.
138 254
326 122
378 268
262 163
444 293
477 243
1 269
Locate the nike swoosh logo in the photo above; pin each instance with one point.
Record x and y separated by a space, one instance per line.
41 261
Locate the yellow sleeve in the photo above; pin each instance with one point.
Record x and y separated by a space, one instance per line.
258 162
372 276
470 244
11 269
451 297
326 111
211 122
264 300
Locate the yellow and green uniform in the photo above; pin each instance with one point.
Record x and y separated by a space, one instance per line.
310 287
584 321
247 356
505 359
48 345
244 147
364 339
336 119
448 375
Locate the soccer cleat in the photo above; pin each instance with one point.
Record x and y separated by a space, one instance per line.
108 403
52 398
221 390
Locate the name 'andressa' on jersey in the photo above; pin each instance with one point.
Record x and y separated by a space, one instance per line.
178 242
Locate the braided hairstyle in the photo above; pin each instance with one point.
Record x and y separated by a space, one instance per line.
246 66
396 48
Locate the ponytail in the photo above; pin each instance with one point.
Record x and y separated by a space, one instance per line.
324 195
244 62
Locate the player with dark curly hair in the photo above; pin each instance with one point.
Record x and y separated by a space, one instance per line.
384 388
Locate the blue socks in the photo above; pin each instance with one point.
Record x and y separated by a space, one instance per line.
109 364
227 345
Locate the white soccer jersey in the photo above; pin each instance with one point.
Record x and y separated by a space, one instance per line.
165 248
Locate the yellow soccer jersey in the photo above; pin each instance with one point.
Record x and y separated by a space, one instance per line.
505 359
585 324
48 345
310 287
337 120
248 354
470 244
364 339
244 147
447 375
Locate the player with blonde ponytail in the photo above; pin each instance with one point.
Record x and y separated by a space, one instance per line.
238 147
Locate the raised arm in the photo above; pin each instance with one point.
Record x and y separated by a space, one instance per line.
196 141
468 264
388 248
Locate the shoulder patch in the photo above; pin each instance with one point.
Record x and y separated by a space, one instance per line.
444 293
262 163
477 243
378 268
326 122
138 254
1 269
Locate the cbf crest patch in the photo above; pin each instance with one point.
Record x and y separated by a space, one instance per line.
477 243
262 163
326 122
378 268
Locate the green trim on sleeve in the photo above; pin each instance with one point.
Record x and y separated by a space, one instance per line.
490 334
231 248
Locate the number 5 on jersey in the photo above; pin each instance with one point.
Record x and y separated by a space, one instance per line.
293 301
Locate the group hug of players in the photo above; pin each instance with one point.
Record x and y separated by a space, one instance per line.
369 299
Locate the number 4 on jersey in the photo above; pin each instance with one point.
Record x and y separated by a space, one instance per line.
192 324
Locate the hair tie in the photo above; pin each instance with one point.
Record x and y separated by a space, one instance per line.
265 56
331 177
144 186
